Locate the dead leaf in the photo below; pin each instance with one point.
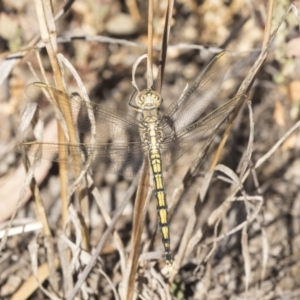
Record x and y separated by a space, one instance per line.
294 91
289 143
279 113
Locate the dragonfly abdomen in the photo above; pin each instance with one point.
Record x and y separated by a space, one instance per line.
162 207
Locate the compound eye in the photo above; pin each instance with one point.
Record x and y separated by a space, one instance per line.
140 100
157 99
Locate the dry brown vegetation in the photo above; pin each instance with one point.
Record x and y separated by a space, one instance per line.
235 227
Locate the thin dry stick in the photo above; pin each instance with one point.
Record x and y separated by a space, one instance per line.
218 213
189 179
150 45
103 239
48 35
40 209
164 46
248 81
45 38
31 284
247 84
133 10
42 217
39 206
43 17
194 169
255 198
259 162
216 216
185 239
77 184
107 219
27 117
143 188
142 198
268 24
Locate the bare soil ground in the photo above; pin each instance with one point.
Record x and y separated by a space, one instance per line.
245 237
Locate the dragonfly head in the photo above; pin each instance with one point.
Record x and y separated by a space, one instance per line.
148 99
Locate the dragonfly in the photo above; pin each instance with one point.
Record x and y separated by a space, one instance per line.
121 141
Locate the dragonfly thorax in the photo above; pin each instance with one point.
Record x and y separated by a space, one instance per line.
150 117
151 134
148 99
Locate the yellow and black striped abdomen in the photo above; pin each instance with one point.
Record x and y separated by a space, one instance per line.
162 207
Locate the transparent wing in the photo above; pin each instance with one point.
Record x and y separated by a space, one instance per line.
189 107
200 131
110 124
116 158
117 149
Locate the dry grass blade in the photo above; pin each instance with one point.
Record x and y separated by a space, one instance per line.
164 46
40 209
140 208
187 244
103 239
150 45
48 35
249 80
260 161
142 192
107 219
77 185
31 284
33 249
189 177
267 155
30 116
63 250
134 10
45 35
